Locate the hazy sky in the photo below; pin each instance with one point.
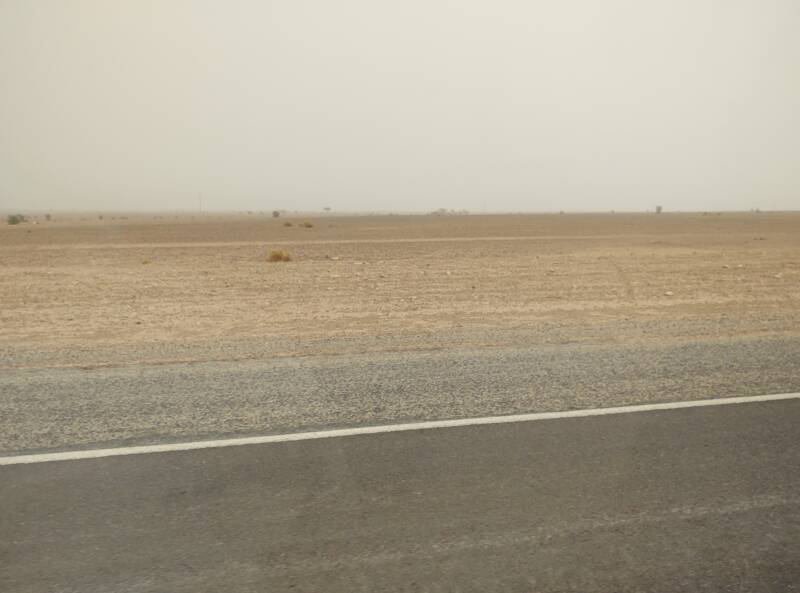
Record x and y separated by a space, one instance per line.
403 105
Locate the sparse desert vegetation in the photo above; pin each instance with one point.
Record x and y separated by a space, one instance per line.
279 255
14 219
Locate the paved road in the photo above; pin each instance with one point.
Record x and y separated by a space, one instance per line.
68 408
704 499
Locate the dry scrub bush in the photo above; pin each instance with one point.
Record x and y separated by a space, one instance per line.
278 255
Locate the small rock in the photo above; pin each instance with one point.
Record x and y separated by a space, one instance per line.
669 293
778 275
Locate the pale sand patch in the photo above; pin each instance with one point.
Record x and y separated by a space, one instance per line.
93 284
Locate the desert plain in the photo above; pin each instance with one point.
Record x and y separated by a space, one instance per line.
79 290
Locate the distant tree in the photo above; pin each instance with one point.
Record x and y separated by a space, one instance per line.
275 214
327 208
47 217
658 209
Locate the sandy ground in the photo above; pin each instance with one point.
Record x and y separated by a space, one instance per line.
83 291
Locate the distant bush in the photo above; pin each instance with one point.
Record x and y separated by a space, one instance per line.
277 255
275 214
15 218
287 223
47 217
307 225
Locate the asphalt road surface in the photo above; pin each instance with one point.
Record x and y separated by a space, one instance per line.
701 499
51 409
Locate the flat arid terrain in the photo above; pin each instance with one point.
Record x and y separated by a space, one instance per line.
80 291
136 352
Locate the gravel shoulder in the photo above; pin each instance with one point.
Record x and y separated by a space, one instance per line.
43 409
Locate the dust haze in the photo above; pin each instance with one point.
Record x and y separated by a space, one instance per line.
399 106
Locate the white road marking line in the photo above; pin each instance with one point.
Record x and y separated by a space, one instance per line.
346 432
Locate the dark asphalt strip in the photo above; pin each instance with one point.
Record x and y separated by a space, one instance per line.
702 499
